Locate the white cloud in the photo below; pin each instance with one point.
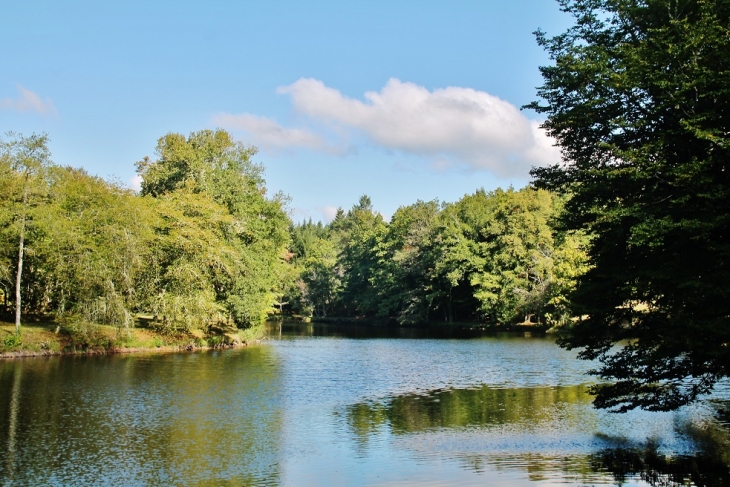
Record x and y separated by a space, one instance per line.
450 126
28 101
268 134
328 212
324 214
135 182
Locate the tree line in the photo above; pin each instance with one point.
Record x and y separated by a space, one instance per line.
491 257
636 262
202 245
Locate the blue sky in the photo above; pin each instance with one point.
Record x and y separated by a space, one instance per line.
399 100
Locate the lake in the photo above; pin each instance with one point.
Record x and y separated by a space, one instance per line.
325 405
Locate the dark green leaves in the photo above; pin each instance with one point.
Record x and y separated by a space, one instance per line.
638 101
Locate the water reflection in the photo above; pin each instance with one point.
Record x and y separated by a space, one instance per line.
179 419
323 405
702 470
277 329
464 407
708 465
552 433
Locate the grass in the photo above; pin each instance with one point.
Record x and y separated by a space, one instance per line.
36 337
44 336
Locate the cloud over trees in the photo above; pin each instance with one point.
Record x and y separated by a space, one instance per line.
451 126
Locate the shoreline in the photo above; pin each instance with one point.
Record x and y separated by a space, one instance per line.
19 354
47 343
43 338
463 325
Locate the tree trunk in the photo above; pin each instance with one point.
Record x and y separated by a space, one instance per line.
20 264
450 307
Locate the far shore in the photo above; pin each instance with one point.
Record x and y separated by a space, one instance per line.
44 338
466 325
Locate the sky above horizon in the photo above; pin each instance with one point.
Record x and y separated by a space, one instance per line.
399 100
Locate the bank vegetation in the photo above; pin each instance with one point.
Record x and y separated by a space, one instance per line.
204 253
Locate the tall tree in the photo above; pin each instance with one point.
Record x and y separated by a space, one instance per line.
25 162
638 99
320 277
495 258
221 192
518 277
96 242
193 264
361 232
402 276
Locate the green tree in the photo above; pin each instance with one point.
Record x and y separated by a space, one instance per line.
229 239
24 165
95 244
638 100
322 277
402 273
495 258
519 245
193 266
362 230
457 253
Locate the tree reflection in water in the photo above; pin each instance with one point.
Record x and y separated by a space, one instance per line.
526 414
702 469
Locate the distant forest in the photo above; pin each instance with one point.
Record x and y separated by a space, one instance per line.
203 244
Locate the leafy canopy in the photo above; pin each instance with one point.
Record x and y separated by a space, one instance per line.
488 258
220 242
638 100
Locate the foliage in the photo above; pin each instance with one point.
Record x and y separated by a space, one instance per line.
220 242
24 163
495 257
361 233
638 101
95 244
403 277
83 334
315 258
490 257
13 341
190 260
202 244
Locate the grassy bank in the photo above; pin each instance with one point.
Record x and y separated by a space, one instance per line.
46 337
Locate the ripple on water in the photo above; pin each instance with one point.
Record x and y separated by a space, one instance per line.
327 411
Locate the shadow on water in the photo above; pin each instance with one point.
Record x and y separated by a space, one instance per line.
705 469
290 329
540 424
708 466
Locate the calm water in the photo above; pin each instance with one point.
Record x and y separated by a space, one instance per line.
320 405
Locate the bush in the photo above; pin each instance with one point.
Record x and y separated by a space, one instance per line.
13 341
84 334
